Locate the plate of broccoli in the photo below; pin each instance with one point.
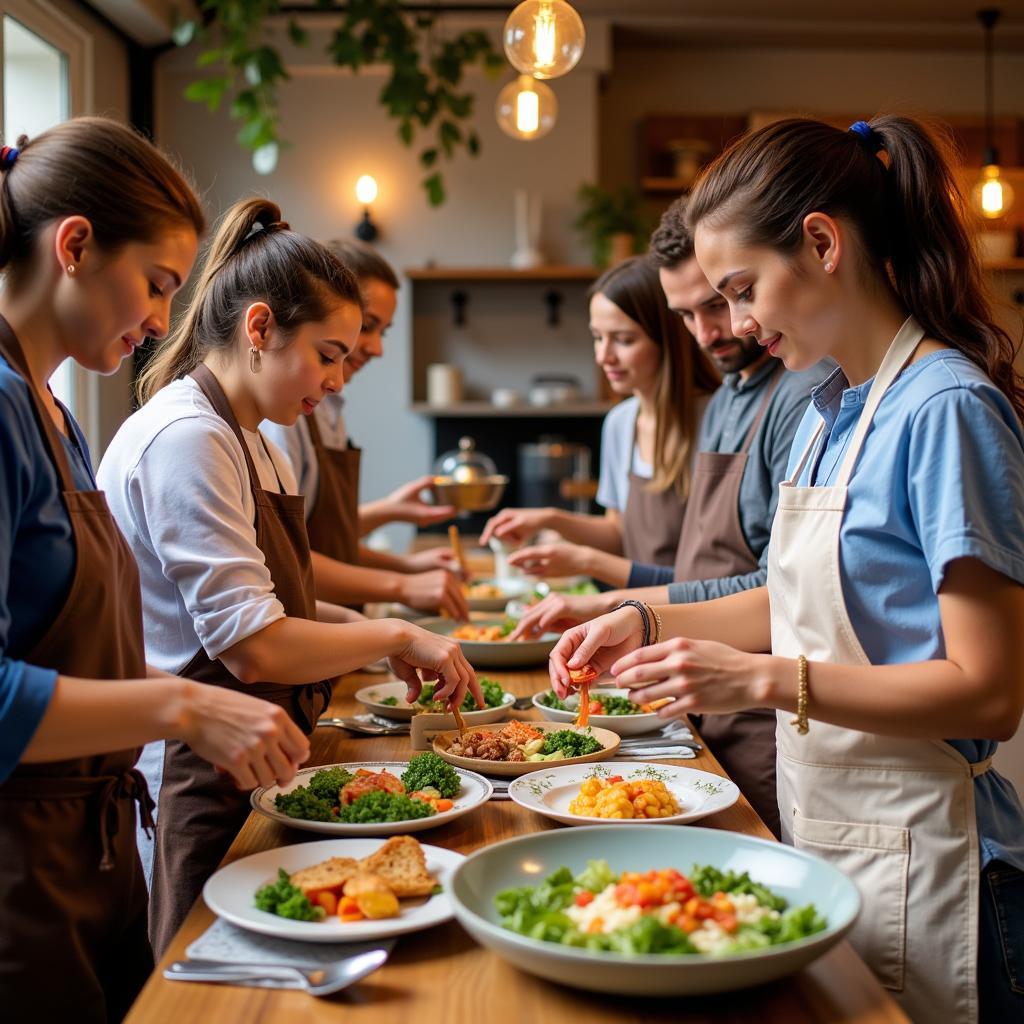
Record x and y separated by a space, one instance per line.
374 798
388 699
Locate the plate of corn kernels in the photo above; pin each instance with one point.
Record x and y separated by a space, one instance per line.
624 791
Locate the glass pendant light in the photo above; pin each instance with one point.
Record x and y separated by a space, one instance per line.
526 109
992 195
544 38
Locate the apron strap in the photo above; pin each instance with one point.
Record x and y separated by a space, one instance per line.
314 432
980 767
763 407
210 386
12 351
815 437
903 346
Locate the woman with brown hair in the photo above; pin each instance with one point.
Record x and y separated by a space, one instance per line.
87 279
211 510
326 466
647 441
894 597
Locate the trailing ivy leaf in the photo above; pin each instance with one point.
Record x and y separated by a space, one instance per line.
460 105
264 67
450 136
208 90
297 34
435 189
256 133
473 144
208 57
184 32
428 158
246 105
405 132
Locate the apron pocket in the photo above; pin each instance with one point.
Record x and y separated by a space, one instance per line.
877 859
1006 889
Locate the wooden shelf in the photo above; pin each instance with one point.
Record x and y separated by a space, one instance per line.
549 273
465 410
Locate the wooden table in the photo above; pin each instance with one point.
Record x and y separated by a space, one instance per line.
441 975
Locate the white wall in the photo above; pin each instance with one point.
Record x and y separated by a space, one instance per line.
338 131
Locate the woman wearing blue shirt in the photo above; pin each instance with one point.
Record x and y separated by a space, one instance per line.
86 279
894 597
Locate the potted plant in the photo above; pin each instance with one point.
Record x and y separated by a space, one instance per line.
613 222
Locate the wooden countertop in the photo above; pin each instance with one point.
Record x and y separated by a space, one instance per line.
441 975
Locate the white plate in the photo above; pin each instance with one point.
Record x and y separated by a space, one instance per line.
231 892
371 696
475 790
624 725
495 653
511 589
698 793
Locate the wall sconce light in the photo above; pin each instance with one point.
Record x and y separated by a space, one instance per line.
366 193
526 109
544 38
991 196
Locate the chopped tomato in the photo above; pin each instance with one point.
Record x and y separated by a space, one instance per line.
327 900
442 805
348 909
584 897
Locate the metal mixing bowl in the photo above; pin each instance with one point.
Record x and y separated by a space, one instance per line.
477 494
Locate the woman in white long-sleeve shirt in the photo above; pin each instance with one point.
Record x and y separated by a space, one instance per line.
212 513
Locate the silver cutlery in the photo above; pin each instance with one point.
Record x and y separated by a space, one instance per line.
368 725
317 981
639 744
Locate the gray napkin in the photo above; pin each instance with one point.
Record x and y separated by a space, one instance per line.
230 945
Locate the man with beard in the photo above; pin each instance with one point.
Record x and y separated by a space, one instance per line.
743 452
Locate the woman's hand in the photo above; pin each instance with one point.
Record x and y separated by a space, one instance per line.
405 504
600 643
433 591
253 740
433 558
558 559
514 525
440 658
559 612
701 675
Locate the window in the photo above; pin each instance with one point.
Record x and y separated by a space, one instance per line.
46 65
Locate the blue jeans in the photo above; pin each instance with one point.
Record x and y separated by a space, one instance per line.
1001 944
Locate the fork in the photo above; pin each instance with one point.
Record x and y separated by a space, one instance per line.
368 725
318 981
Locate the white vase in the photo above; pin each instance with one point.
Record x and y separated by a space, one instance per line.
527 228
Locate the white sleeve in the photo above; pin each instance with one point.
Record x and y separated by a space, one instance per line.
609 490
190 497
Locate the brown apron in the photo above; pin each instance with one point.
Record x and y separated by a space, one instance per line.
651 520
201 810
712 545
333 523
73 943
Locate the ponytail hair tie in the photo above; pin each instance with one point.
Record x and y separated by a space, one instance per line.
8 154
868 137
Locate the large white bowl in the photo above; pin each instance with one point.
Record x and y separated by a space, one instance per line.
527 860
624 725
496 653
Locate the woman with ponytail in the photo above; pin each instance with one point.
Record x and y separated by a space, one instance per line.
86 279
213 515
895 590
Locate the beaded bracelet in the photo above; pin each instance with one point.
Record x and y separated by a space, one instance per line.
653 612
801 696
639 606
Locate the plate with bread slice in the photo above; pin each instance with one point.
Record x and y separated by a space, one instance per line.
336 890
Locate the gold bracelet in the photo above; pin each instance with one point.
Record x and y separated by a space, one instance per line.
801 696
657 623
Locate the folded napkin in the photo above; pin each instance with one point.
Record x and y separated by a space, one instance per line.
230 945
655 753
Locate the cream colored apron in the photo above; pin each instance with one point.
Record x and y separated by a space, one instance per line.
896 815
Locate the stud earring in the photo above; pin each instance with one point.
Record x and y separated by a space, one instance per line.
255 360
829 267
71 268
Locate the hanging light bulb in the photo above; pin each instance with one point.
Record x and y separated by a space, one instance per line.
544 38
991 196
526 108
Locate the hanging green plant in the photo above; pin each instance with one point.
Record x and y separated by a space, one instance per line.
423 93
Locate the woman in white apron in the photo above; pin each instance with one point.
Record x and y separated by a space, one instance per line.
647 440
897 553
